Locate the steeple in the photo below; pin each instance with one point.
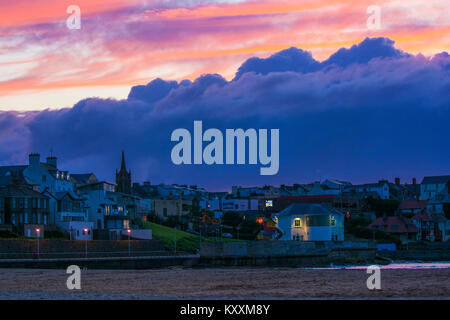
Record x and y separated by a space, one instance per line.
123 167
123 177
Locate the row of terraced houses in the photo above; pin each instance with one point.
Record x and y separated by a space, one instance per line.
40 196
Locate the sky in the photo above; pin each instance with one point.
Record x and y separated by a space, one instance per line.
351 103
122 43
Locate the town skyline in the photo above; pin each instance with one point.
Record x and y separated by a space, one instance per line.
123 168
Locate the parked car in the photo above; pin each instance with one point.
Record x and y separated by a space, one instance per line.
227 235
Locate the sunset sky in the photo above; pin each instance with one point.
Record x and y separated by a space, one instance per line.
123 43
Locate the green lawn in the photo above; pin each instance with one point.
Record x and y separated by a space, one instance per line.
185 241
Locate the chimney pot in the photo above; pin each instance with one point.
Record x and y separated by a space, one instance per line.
414 181
397 181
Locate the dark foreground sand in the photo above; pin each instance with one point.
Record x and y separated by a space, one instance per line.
224 283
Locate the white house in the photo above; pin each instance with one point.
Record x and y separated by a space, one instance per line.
310 222
238 204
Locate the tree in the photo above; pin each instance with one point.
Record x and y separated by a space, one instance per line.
383 206
249 229
232 219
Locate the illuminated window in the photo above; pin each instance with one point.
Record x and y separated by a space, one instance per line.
333 221
269 203
297 222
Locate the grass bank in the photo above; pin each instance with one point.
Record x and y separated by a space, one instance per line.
185 241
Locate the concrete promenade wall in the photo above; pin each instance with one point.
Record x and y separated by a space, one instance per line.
19 249
278 248
285 253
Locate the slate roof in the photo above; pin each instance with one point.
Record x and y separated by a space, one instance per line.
81 178
11 191
307 209
394 224
435 179
61 194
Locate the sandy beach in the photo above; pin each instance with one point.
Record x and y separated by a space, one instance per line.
225 283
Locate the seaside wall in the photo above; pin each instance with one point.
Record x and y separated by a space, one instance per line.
425 254
19 249
285 253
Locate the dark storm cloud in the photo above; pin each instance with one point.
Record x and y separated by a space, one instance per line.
368 112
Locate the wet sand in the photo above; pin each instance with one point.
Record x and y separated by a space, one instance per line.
225 283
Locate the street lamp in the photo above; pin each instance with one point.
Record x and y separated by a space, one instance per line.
200 227
85 243
175 240
129 234
38 235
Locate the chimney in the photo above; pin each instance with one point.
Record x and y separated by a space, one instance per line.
414 181
146 183
397 181
52 161
135 184
34 160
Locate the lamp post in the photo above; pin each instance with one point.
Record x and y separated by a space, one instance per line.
200 227
85 243
129 234
38 231
175 240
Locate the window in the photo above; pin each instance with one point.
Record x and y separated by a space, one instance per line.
333 221
44 178
297 222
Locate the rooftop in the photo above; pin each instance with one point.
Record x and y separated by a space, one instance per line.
308 209
436 179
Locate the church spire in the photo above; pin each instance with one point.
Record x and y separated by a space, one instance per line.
123 167
123 178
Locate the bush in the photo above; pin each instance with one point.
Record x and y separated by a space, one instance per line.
380 236
55 234
352 224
